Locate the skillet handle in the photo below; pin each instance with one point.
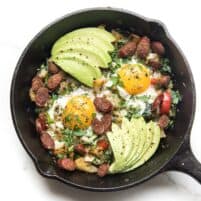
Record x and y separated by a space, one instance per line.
186 162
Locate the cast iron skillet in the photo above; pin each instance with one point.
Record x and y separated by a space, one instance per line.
173 154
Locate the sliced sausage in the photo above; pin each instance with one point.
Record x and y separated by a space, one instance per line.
103 105
42 116
40 125
128 49
162 81
163 121
36 83
143 47
66 164
54 81
103 170
107 122
42 97
102 126
47 141
158 48
52 67
80 149
98 127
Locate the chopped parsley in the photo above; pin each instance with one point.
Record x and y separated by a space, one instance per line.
68 137
49 120
176 97
134 112
165 67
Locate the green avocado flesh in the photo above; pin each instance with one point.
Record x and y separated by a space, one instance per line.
80 70
133 144
83 52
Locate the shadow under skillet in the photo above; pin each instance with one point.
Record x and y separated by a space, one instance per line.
67 192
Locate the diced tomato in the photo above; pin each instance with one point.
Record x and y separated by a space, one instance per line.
166 103
157 103
162 103
154 80
103 144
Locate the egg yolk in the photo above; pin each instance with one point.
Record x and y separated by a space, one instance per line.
78 113
134 77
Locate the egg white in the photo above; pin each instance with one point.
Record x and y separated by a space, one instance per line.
137 103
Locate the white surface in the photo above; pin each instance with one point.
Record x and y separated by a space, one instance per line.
20 21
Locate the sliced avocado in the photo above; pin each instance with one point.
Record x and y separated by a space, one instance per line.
155 130
125 138
80 59
98 32
87 38
132 144
105 57
79 70
115 139
141 132
148 140
88 56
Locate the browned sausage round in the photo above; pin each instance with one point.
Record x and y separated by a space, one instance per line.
128 49
163 121
98 127
80 149
107 122
103 105
103 170
54 81
42 97
162 81
143 47
42 116
165 80
158 48
40 125
66 164
47 141
36 83
52 67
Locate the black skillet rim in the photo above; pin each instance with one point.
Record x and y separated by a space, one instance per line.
56 177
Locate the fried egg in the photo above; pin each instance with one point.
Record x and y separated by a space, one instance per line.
134 77
63 106
78 112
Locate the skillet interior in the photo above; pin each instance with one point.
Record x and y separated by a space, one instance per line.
23 109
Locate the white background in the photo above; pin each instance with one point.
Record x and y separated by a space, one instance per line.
20 20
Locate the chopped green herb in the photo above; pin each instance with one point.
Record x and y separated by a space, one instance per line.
134 112
165 67
49 120
176 97
93 115
144 98
114 80
68 137
147 112
67 118
79 132
54 97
